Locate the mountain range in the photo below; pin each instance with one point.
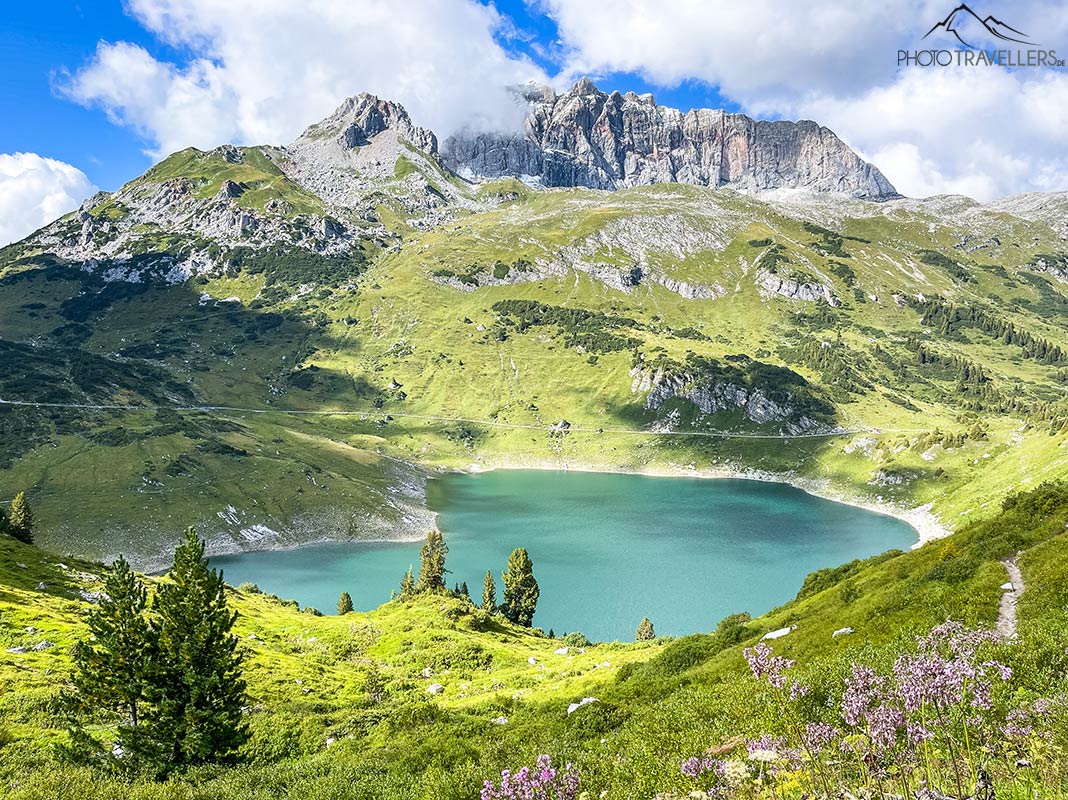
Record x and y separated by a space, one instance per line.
586 137
280 344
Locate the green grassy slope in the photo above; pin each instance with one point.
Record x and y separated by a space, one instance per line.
319 733
952 405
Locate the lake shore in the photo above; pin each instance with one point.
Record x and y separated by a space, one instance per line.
927 525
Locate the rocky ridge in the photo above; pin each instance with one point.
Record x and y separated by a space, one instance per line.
586 137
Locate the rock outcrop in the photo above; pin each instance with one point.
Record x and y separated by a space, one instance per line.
712 397
795 289
362 117
365 143
586 137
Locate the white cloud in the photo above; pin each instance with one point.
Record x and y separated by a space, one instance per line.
765 47
34 191
264 69
979 131
261 70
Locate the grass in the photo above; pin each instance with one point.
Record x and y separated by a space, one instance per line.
339 705
257 172
385 338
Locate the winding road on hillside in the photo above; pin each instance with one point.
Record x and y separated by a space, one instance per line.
1006 625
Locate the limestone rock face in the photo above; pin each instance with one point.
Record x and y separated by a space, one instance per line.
609 141
712 397
359 119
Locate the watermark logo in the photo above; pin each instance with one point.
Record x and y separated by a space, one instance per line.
978 41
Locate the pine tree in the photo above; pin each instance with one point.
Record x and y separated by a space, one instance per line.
464 591
407 587
196 691
432 563
20 520
489 593
645 632
111 670
521 590
344 604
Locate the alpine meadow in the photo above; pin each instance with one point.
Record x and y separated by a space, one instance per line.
420 377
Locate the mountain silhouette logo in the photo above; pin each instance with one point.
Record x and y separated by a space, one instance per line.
966 25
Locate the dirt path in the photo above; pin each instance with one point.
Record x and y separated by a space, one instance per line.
1006 627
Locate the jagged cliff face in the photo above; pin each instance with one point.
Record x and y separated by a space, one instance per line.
608 141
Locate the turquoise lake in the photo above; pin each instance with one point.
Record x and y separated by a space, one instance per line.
608 549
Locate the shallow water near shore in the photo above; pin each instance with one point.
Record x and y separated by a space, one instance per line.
608 548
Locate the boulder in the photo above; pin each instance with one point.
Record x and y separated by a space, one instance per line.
585 701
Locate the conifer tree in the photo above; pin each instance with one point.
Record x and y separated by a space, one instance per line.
20 519
645 632
432 563
407 587
196 691
344 604
5 522
111 670
489 593
521 590
464 591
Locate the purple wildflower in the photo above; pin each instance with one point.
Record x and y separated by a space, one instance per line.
930 679
1017 724
765 665
884 722
917 734
820 734
696 766
544 782
766 742
862 690
962 641
1005 673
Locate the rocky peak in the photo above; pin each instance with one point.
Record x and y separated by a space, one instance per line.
359 119
584 86
586 137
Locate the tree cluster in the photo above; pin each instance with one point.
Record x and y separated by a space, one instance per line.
948 318
166 673
521 590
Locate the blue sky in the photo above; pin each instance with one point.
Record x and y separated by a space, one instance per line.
38 41
41 43
94 92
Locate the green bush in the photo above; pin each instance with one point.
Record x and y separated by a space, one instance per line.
576 639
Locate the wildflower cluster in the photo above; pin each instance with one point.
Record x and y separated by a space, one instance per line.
542 782
718 776
927 721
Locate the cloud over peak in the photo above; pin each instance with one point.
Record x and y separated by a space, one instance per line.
258 71
264 69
